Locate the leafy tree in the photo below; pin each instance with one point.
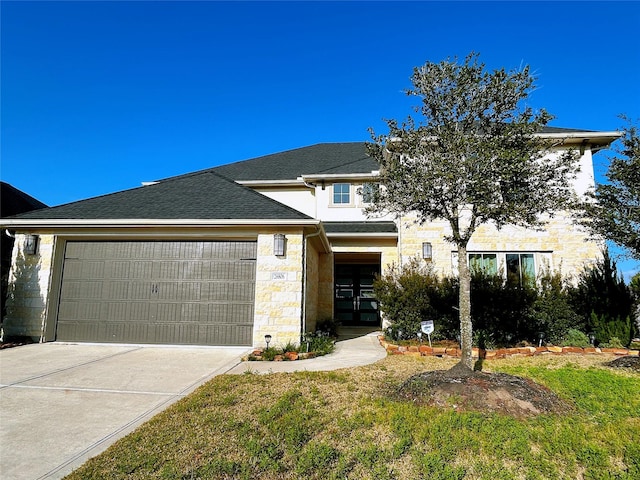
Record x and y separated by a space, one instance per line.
604 301
614 211
634 286
473 157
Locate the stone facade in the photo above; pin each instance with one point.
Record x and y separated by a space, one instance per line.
28 292
561 247
311 288
278 307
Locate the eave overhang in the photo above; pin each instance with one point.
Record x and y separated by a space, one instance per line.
145 222
597 140
362 235
318 177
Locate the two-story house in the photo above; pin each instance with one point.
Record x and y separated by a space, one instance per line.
266 246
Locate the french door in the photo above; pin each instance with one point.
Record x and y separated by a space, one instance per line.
355 302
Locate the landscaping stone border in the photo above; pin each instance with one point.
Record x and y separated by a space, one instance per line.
426 351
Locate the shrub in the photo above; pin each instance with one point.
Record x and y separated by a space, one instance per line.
499 307
607 328
329 326
575 338
407 294
601 290
551 312
318 342
614 342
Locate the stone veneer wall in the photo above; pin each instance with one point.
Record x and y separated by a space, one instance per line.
278 307
28 289
561 246
311 288
325 286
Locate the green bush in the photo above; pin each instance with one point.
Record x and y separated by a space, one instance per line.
601 290
499 307
607 328
575 338
408 295
614 342
506 313
551 312
318 342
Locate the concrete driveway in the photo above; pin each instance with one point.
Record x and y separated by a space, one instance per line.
61 404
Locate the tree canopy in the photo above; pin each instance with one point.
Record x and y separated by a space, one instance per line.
473 156
614 209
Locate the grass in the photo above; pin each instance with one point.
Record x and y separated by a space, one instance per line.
343 424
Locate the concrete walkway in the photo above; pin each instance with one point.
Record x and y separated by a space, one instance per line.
350 352
61 404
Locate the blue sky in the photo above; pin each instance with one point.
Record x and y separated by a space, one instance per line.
100 96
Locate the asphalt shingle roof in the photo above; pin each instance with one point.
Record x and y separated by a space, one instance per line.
214 194
323 158
204 195
360 227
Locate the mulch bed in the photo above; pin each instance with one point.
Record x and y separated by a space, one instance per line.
483 392
625 362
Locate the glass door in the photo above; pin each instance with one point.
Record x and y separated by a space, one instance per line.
355 302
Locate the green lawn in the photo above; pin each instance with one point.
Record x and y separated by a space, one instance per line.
343 424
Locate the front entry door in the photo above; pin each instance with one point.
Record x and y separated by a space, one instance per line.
355 303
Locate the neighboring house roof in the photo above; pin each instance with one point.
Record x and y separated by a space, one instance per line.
14 201
360 227
203 195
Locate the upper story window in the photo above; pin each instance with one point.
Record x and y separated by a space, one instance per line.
369 191
341 193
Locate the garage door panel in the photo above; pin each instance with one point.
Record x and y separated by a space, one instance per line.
158 292
229 292
82 290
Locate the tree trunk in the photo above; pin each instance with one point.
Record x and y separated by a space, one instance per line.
464 303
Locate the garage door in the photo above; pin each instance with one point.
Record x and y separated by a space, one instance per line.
198 293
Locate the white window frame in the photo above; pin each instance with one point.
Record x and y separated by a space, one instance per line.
540 260
350 194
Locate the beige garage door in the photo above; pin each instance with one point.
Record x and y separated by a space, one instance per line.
196 293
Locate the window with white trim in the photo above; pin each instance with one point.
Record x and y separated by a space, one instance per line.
517 268
521 268
484 262
341 193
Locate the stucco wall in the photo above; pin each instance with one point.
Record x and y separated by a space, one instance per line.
28 289
278 310
301 199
